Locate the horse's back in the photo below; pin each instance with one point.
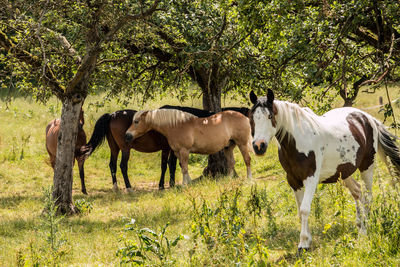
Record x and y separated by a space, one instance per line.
231 124
120 122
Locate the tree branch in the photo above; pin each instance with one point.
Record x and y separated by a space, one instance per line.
33 61
91 56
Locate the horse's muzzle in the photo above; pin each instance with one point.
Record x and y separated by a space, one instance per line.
128 137
259 147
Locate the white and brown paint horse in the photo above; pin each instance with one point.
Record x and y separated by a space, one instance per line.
321 149
187 133
52 131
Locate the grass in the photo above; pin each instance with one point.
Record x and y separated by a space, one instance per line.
93 238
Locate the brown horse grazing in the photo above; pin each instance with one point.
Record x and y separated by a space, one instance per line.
52 131
187 133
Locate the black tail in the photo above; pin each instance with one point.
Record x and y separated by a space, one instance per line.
101 128
387 142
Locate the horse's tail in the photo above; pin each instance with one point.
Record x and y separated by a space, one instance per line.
101 129
387 148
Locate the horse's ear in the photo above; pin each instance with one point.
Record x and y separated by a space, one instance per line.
270 96
144 113
253 97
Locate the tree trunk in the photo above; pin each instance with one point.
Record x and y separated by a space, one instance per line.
217 163
63 171
349 99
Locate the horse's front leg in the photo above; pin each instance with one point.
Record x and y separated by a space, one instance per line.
310 184
183 156
172 168
164 163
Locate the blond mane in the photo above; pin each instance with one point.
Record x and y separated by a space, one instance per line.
165 117
291 117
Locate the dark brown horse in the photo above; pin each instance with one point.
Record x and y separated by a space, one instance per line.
52 130
113 127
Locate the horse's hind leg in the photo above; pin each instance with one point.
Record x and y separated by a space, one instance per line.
246 156
355 190
82 174
172 168
228 151
124 169
366 176
164 163
113 161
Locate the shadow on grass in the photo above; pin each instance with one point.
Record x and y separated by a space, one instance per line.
15 200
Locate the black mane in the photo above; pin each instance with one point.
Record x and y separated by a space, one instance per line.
201 113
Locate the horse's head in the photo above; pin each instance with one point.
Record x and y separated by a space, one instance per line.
262 118
138 127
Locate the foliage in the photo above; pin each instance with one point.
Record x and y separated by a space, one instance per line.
225 232
150 246
83 206
338 46
385 222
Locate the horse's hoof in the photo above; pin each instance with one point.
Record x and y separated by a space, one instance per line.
84 192
161 188
129 190
115 188
300 251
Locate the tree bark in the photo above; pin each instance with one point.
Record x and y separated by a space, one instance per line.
63 171
217 163
208 80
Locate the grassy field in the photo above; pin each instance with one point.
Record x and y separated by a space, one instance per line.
218 219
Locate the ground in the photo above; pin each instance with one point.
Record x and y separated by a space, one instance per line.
93 238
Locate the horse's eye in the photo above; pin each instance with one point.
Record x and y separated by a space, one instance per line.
136 122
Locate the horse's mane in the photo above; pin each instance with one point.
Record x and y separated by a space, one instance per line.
163 117
290 117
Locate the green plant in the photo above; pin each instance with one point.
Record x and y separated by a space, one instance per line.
221 229
83 206
54 247
385 221
147 247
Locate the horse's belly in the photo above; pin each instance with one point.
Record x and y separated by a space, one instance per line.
210 140
340 163
208 145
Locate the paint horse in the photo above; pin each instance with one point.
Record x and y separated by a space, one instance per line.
187 133
52 131
321 149
113 127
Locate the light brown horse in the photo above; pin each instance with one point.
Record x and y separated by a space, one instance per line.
52 130
187 133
